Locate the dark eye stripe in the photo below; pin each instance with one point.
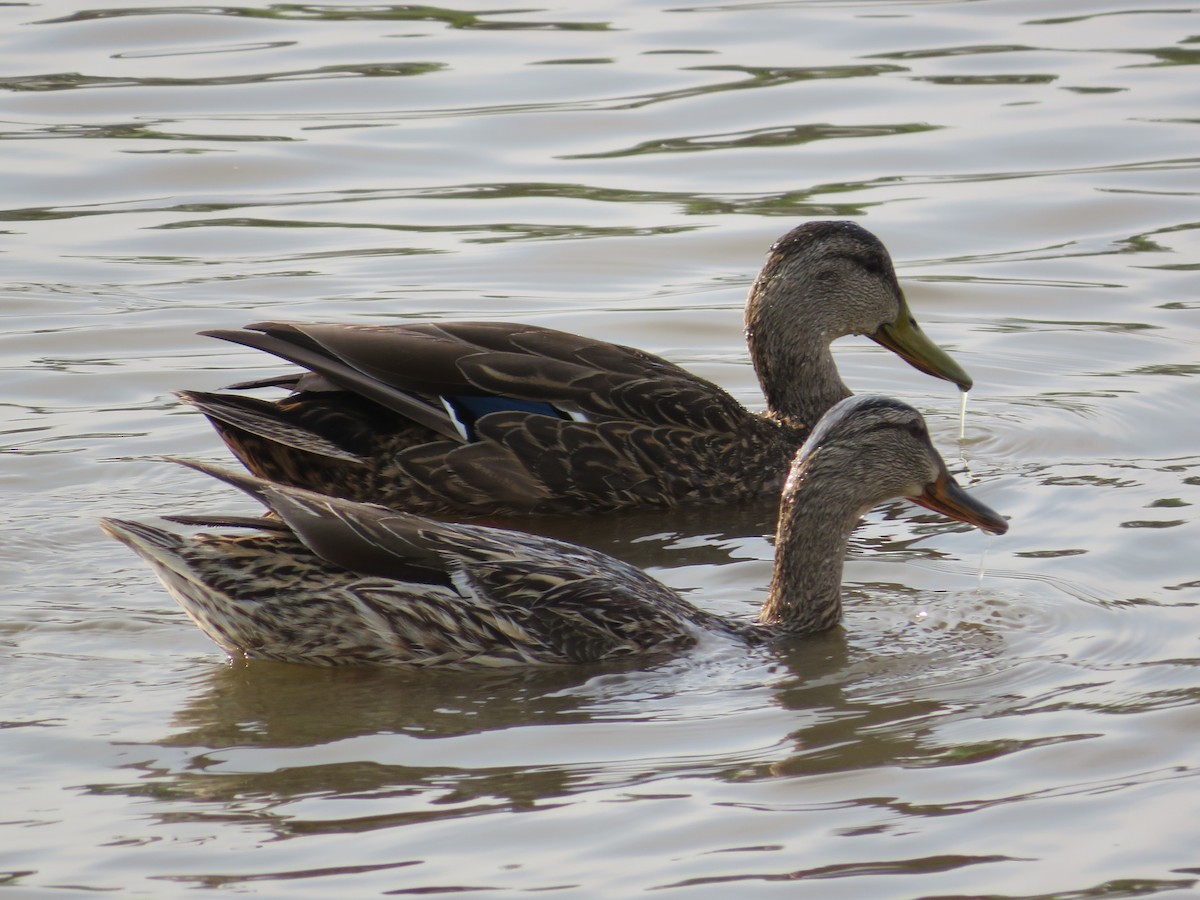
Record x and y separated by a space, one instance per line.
872 262
916 429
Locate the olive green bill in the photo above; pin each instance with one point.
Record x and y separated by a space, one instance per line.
905 338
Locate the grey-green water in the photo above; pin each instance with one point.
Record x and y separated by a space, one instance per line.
617 169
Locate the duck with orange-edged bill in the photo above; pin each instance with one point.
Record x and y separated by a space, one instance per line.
327 581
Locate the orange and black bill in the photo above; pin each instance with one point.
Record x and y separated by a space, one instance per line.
945 496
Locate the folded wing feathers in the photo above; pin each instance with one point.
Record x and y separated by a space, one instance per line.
384 586
262 418
296 344
503 359
641 416
541 598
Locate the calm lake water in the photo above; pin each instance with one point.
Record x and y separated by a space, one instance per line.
618 169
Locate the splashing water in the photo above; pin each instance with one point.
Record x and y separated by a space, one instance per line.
962 415
982 564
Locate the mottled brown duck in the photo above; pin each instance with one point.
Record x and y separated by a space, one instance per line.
481 418
329 581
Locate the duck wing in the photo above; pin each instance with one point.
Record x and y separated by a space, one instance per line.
410 368
463 592
490 417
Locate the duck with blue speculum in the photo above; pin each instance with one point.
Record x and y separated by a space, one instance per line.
327 581
494 418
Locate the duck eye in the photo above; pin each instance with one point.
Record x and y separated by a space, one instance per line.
917 430
873 264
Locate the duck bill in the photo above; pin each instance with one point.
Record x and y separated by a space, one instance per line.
945 496
905 338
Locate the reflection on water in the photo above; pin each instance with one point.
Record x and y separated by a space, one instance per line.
617 171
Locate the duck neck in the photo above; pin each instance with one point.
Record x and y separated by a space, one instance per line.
815 522
789 346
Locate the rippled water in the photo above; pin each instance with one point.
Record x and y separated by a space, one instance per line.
617 169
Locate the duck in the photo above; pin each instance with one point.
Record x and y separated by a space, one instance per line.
328 581
498 419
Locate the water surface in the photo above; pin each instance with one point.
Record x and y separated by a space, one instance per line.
616 169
